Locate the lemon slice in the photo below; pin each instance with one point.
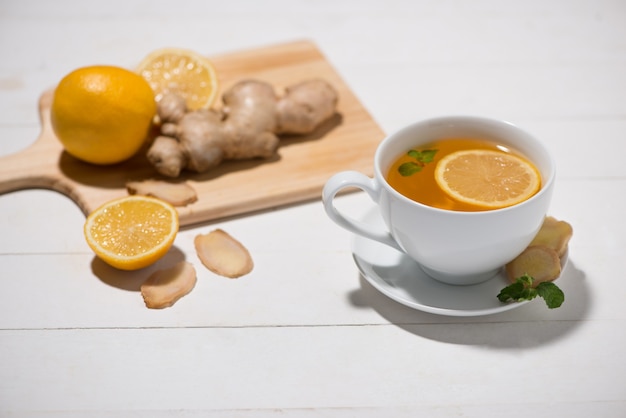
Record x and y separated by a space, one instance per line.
132 232
487 179
181 71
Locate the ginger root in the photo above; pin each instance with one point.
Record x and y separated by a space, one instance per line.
246 127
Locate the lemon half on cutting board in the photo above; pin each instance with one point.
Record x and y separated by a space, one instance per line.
181 71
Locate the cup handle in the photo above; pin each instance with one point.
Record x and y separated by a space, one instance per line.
370 186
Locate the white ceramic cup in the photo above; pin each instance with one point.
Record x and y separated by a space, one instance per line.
453 247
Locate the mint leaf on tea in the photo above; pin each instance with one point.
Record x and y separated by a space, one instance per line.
408 169
428 155
414 154
420 157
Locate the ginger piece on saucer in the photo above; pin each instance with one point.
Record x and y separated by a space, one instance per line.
554 234
540 262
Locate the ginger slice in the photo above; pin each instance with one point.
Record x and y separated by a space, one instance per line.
554 234
177 194
164 287
223 254
538 261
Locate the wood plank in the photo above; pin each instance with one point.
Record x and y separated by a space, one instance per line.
297 173
325 368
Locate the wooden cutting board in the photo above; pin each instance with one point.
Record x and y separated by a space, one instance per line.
298 173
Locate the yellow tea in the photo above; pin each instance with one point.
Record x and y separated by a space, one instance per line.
414 174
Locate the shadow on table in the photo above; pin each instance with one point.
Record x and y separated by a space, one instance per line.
132 280
530 325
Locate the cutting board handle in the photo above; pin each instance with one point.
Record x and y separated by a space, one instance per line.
32 167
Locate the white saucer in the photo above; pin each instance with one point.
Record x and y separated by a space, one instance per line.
399 277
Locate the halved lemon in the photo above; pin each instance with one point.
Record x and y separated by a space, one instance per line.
181 71
487 179
132 232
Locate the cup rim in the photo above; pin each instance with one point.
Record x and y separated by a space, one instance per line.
545 187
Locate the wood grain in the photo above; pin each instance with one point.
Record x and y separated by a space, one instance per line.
296 174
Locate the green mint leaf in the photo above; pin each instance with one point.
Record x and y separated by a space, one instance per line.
408 169
427 155
551 293
512 292
414 154
529 293
526 279
520 290
422 157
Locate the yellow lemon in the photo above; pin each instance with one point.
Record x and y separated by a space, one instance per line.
132 232
102 114
180 71
487 179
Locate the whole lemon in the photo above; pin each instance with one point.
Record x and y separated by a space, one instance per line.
102 114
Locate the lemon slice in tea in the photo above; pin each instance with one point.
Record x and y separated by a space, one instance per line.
487 179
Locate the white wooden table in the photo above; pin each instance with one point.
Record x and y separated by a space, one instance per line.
304 335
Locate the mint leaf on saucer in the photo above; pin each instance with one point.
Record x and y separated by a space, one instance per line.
551 293
517 292
522 290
